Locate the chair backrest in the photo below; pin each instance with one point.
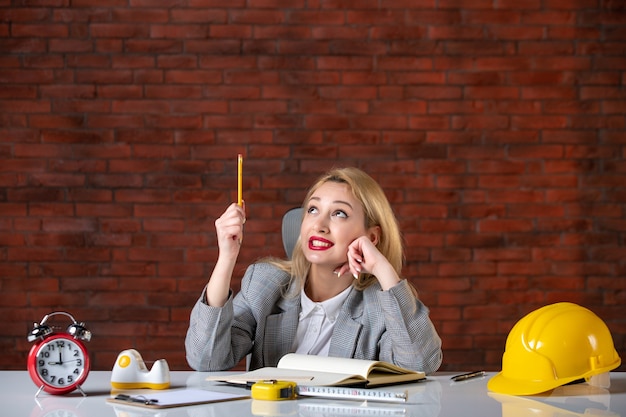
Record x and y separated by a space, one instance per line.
291 229
290 232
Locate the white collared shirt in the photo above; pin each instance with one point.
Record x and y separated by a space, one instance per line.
316 324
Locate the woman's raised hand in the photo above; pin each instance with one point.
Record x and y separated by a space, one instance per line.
229 229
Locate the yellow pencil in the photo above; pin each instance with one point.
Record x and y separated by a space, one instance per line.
239 177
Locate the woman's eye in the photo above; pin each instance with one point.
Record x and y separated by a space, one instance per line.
311 210
340 213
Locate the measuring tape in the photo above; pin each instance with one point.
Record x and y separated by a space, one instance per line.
286 390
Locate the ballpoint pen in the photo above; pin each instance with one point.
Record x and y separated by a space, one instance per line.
138 399
468 375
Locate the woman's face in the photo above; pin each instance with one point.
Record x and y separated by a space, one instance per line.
333 219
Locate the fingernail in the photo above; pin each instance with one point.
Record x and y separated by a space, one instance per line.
355 276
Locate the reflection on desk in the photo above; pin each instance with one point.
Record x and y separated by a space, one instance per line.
424 400
567 401
435 397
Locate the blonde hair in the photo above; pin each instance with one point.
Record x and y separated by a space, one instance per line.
378 212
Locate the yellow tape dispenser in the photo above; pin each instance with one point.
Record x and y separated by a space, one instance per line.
130 372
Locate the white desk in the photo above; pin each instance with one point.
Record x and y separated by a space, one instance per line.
437 396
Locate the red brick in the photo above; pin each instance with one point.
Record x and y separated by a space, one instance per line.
154 45
120 30
505 225
448 137
599 122
69 91
426 123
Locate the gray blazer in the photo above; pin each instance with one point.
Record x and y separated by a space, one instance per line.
391 326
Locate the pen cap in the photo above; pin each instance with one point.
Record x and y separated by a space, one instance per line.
553 346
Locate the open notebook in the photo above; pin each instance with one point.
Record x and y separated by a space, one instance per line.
316 370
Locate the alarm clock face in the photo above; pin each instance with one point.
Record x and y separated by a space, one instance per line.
59 363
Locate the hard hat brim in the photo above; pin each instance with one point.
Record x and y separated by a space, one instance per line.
503 385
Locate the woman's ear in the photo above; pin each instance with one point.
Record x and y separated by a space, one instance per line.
374 234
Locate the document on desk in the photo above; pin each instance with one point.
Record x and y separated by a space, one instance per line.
175 398
316 370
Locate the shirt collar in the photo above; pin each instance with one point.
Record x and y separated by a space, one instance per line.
330 307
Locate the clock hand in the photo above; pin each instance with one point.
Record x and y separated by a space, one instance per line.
60 362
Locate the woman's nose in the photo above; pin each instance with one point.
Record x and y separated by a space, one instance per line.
321 224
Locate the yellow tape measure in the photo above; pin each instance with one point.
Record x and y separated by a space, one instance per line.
274 390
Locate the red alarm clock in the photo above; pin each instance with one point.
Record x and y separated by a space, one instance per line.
58 362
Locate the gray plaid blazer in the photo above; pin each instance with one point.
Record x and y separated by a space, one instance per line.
262 320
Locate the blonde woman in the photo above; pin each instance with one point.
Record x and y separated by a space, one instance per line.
342 294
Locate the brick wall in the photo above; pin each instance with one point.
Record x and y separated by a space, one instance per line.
497 128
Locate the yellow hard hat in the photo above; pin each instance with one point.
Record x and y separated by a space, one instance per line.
553 346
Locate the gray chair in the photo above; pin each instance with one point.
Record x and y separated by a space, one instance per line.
291 229
290 233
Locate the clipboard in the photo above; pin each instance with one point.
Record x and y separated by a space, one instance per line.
175 398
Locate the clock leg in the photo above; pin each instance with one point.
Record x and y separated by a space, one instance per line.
39 391
79 388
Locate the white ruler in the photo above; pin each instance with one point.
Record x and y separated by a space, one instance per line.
336 409
345 393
